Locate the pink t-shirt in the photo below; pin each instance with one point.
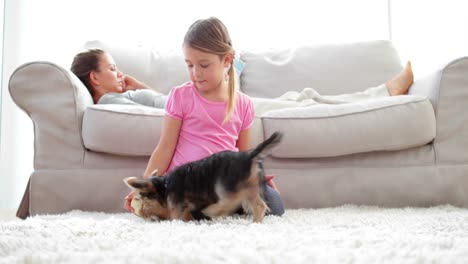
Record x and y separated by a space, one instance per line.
203 132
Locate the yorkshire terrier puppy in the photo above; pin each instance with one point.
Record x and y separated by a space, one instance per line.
215 186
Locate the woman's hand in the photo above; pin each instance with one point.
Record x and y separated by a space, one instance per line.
270 182
132 84
128 201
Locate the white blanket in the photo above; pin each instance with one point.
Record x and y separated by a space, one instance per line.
309 96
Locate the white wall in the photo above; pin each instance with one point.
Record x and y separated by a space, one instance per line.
431 32
16 128
251 23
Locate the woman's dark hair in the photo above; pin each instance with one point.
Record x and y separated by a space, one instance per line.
84 63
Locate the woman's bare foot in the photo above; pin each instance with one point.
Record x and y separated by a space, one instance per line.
401 83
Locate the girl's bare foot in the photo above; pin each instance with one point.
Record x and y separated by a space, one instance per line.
401 83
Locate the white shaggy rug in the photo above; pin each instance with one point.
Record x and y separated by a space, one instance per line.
347 234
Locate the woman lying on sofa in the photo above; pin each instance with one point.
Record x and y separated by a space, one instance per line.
107 85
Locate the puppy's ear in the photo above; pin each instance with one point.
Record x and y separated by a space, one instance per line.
142 185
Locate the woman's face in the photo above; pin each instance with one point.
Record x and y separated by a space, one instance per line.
107 77
206 70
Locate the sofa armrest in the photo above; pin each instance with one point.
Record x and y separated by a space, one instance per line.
55 100
447 90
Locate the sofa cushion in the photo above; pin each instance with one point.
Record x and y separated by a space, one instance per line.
122 129
130 130
329 69
388 123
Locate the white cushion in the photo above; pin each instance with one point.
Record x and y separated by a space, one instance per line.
388 123
122 129
329 69
130 130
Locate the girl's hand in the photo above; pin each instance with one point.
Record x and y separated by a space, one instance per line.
269 181
128 201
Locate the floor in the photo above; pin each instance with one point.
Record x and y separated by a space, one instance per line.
345 234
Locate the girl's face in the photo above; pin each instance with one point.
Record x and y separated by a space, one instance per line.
206 70
107 77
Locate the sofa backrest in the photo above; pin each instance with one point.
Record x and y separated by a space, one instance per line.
330 69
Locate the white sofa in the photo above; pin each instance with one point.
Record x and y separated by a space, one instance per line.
396 151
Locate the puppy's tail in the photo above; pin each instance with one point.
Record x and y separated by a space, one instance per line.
266 145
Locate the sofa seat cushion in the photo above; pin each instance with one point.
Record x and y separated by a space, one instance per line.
390 123
383 124
122 129
130 130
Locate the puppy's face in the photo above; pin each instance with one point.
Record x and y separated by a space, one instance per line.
147 201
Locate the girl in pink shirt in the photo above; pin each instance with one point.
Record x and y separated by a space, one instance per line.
208 114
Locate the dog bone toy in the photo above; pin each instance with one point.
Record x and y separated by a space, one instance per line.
136 205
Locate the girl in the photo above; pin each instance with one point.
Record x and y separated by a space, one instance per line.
206 115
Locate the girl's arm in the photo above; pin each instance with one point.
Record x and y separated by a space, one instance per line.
162 154
243 142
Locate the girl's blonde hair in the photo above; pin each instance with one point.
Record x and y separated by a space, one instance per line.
211 36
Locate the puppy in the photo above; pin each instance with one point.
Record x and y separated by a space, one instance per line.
215 186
